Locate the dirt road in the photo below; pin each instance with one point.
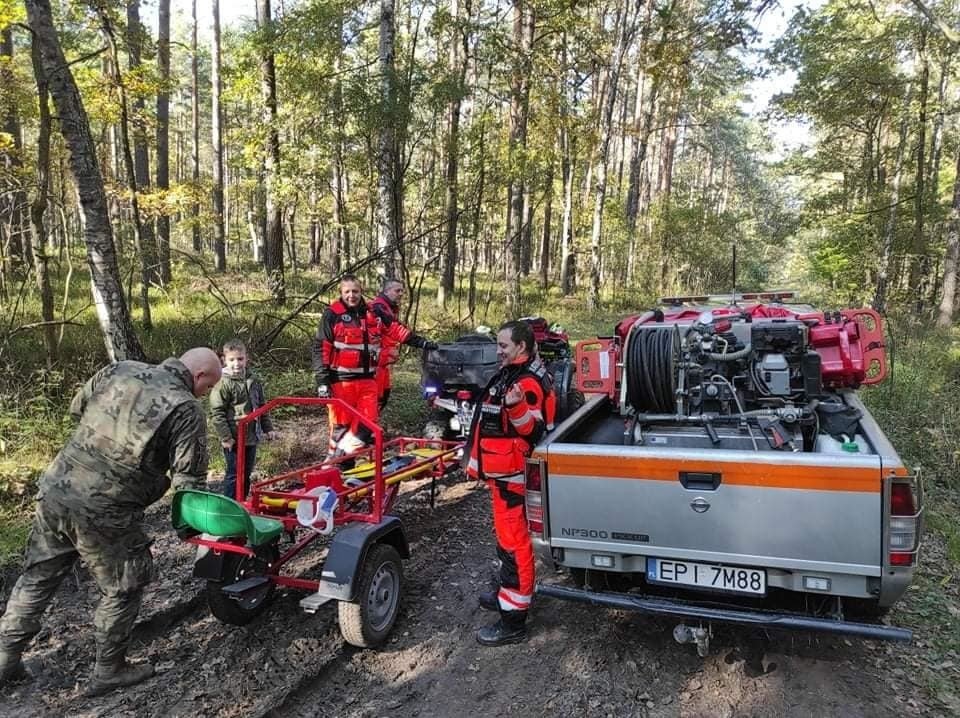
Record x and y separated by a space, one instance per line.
578 660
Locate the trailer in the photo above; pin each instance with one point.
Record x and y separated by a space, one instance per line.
245 543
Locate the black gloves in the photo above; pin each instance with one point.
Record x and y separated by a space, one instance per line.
420 342
323 377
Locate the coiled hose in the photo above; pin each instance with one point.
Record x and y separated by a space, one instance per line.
652 353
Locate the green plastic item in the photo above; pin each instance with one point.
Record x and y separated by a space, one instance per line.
850 446
221 516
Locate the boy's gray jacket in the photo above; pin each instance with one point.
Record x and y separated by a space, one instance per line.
231 400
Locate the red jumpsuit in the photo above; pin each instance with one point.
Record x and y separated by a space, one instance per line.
501 439
386 311
345 356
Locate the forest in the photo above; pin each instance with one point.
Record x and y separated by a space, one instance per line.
176 173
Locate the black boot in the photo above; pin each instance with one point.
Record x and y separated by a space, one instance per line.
488 601
511 628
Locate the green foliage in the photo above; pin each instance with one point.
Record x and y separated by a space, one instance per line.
917 403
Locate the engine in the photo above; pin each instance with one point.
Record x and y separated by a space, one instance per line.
751 377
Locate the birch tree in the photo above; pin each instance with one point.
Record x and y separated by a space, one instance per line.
120 338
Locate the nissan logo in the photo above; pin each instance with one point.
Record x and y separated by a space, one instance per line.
700 505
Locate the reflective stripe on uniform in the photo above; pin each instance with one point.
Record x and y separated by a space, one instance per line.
350 443
355 347
525 420
514 478
511 600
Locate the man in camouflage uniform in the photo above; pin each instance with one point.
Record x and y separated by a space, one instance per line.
136 422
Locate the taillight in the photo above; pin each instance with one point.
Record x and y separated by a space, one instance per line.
533 475
464 395
904 526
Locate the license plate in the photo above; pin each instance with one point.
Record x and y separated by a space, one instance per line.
707 575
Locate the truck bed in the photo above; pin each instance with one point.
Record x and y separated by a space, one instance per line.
680 497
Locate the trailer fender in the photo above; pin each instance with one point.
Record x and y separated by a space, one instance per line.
348 551
208 565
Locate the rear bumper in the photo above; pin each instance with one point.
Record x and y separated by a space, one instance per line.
764 619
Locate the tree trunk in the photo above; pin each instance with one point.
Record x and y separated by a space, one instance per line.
13 203
949 296
459 52
315 240
216 125
523 27
386 213
568 267
920 266
195 132
143 240
273 237
880 293
163 135
600 172
147 245
526 234
119 335
545 235
38 231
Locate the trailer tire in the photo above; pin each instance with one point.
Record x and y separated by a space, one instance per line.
367 622
236 567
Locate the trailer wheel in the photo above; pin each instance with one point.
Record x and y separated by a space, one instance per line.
237 567
367 622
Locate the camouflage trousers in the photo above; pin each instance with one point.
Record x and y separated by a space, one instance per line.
114 549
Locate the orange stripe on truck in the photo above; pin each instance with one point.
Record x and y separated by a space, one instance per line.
780 476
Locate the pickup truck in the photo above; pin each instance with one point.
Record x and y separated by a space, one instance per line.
724 469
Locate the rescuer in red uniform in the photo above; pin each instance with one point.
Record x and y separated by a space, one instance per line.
345 356
386 306
508 423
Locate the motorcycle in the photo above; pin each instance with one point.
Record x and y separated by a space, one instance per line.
454 375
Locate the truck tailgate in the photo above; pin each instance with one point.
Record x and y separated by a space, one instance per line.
765 508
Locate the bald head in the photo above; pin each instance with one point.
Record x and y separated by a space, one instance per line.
204 365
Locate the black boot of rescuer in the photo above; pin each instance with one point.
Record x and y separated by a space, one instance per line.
511 628
488 601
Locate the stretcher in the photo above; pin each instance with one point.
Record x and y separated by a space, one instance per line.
245 543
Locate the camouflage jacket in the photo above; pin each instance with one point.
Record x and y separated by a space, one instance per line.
232 399
136 423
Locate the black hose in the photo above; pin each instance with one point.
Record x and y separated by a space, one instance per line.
651 381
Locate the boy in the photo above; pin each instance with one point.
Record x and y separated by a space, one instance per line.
237 394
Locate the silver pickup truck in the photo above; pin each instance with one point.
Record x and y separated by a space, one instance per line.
724 469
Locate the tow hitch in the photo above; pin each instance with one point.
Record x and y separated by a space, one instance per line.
682 633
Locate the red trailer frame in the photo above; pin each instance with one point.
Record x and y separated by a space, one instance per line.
378 494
